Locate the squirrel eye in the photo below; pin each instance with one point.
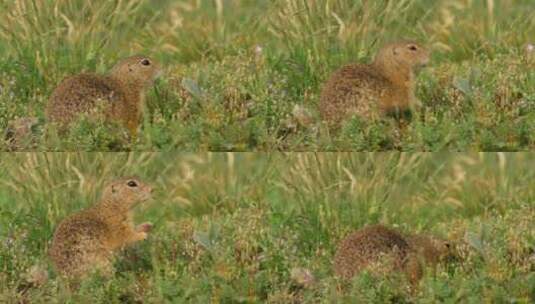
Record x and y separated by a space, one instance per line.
413 47
132 184
145 62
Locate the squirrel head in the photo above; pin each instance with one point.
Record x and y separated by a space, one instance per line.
444 248
432 248
126 193
404 53
140 71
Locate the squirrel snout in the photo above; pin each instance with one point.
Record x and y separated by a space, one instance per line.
425 61
158 74
150 191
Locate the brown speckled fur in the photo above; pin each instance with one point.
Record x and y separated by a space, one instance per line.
86 240
120 94
371 90
378 245
365 246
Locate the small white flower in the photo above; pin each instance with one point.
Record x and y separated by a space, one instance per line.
302 277
302 115
37 275
258 50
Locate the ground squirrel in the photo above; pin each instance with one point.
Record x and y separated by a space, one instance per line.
120 93
381 249
86 240
384 87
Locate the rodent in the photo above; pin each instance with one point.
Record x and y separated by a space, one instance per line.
120 93
86 240
384 87
381 248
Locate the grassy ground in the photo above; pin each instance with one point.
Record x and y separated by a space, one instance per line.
239 73
230 228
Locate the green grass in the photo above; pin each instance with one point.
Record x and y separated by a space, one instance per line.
229 228
236 70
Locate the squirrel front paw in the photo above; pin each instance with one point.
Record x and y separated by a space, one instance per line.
145 227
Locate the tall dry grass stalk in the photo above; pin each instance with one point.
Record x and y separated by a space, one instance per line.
329 176
351 189
195 183
41 31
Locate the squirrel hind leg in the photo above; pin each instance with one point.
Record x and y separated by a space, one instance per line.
93 256
100 263
104 267
413 269
132 127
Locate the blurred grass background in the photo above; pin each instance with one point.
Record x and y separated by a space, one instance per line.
239 73
229 228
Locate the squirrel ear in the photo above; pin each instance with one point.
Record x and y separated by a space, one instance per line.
395 50
112 189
